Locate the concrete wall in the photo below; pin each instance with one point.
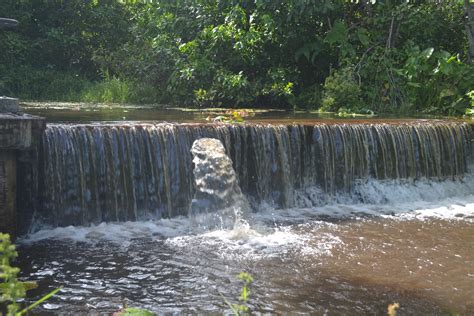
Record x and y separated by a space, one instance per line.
29 178
20 138
8 222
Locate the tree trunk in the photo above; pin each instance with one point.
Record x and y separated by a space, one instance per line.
470 27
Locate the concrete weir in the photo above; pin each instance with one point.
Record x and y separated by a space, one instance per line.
20 140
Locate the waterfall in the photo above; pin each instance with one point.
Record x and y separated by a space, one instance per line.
119 172
218 200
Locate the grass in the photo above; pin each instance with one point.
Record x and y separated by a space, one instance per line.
111 90
50 85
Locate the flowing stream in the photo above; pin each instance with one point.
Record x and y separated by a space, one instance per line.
135 171
340 218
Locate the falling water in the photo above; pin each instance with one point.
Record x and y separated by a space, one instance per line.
120 172
218 195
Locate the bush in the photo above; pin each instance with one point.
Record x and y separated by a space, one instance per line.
12 290
341 90
437 82
309 98
42 84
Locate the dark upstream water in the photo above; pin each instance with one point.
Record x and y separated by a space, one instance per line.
74 112
347 216
77 112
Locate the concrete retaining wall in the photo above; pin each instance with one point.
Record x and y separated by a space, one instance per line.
8 191
20 139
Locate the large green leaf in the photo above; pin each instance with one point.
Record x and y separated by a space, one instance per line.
363 36
337 34
427 52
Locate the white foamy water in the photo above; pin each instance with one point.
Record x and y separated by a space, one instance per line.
245 243
271 228
409 242
113 232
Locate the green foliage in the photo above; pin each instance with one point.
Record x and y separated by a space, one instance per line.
309 98
242 308
394 74
111 90
470 111
232 116
245 292
437 81
225 59
341 90
470 95
33 84
11 289
58 47
356 55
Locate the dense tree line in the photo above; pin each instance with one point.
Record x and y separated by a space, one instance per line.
338 55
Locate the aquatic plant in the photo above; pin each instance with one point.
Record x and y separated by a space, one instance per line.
12 290
233 116
241 308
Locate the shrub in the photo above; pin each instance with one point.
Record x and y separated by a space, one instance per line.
11 289
341 90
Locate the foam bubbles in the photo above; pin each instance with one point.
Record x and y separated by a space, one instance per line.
271 230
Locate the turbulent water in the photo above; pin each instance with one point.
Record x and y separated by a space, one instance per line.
120 172
346 218
410 242
218 195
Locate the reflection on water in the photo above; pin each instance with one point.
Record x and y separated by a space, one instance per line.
77 112
302 259
84 112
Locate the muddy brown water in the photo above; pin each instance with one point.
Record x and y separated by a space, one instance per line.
352 266
405 241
